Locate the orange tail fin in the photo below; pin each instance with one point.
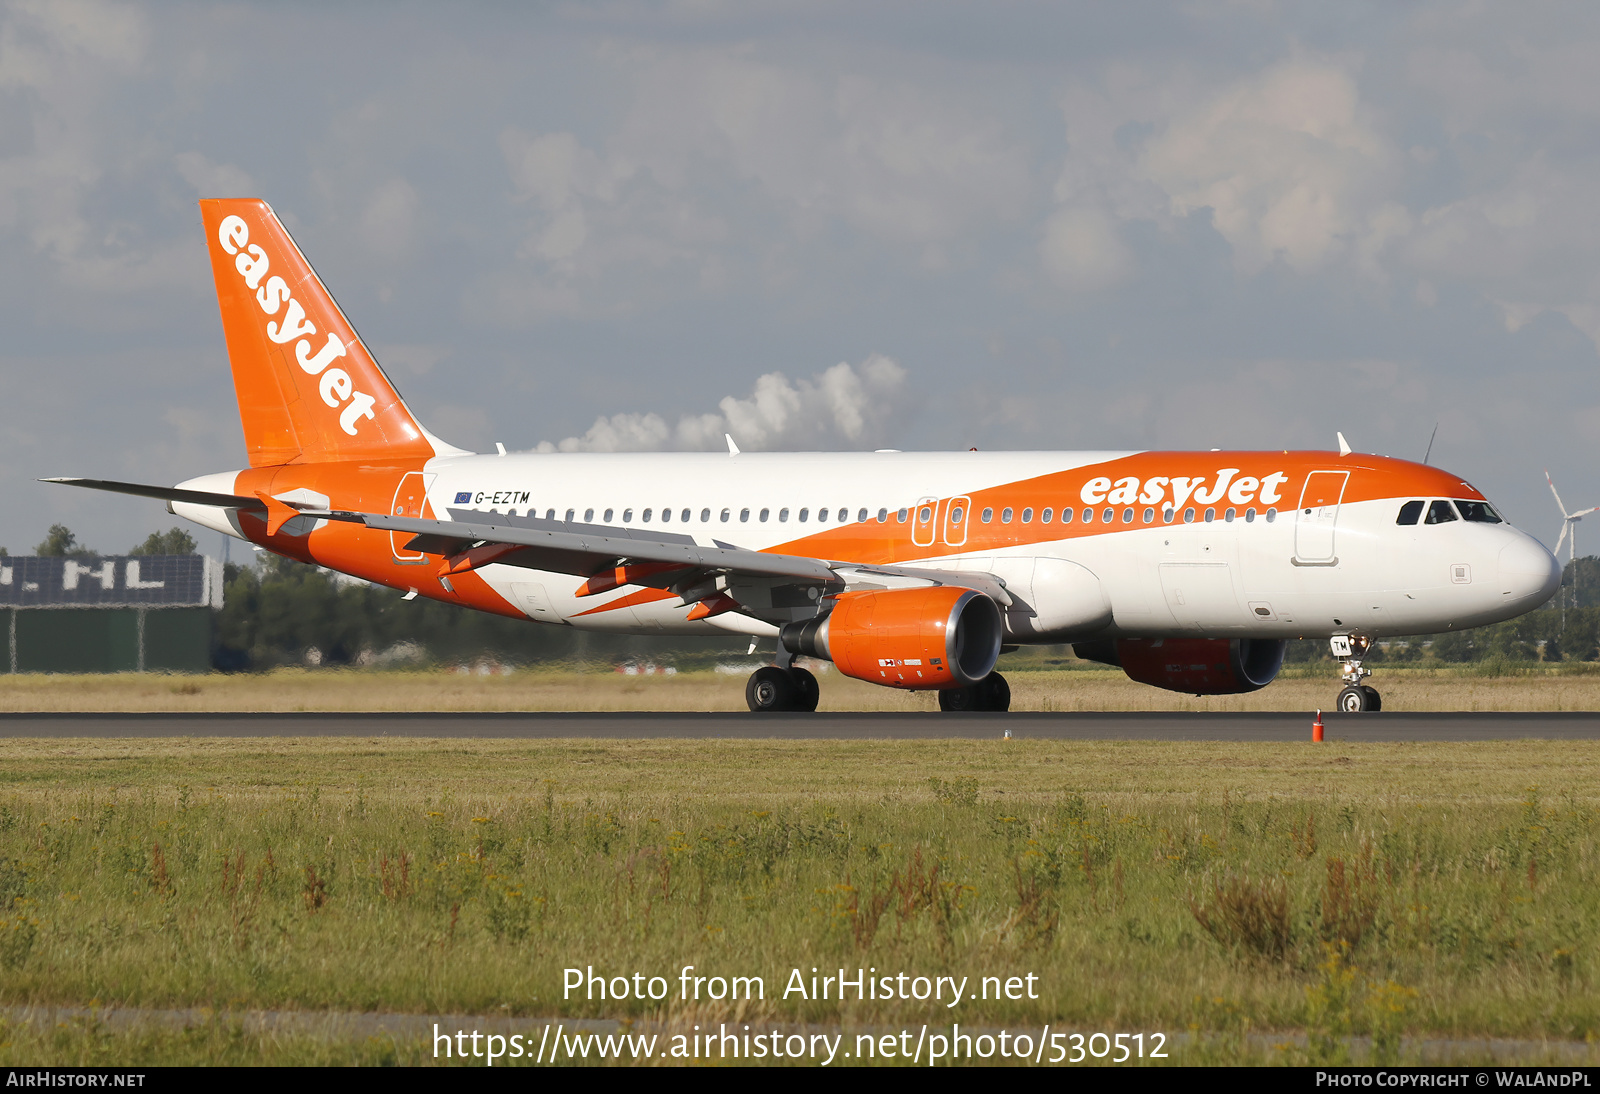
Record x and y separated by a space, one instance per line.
309 392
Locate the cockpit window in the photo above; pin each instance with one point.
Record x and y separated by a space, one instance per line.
1410 512
1480 512
1440 512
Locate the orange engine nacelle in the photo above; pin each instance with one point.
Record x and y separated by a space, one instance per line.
931 638
1198 666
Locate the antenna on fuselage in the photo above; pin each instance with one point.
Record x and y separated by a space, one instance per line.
1431 436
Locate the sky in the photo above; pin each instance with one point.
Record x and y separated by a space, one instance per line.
917 225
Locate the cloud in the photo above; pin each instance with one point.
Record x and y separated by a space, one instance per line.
1082 251
214 180
838 408
1291 164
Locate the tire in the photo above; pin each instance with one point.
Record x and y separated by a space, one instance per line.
991 694
1374 700
958 700
807 693
1355 700
998 692
771 689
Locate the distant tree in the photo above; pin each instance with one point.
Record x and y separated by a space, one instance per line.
4 553
174 541
60 542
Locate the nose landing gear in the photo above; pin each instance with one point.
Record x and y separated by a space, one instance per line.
1355 697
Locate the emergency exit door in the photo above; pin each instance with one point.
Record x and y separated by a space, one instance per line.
1318 516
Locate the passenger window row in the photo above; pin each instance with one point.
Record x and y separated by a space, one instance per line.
665 515
1109 515
1440 511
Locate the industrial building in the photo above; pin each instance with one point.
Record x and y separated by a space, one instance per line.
110 613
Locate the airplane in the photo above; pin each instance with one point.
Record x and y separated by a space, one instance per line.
1191 571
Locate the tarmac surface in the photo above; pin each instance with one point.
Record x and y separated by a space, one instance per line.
1082 726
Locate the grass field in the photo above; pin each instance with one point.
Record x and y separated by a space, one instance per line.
1387 891
1568 686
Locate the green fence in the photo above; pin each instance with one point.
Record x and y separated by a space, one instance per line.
109 639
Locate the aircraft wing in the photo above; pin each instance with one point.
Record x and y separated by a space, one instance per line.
607 557
611 557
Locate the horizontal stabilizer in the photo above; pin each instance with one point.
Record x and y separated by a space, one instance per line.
166 493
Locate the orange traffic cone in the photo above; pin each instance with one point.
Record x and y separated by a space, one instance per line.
1316 727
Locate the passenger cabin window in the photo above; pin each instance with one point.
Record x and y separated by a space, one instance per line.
956 514
705 515
924 515
783 515
900 515
861 516
1045 514
988 515
822 516
744 516
805 515
607 517
627 516
1149 515
588 516
1479 512
1440 512
549 514
1005 515
1410 512
1108 515
883 515
646 516
684 515
1088 516
666 515
569 516
764 514
1027 516
726 513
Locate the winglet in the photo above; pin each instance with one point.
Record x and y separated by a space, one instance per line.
278 513
733 449
1344 445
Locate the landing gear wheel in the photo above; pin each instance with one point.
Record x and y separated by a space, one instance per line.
958 700
1355 700
771 689
807 693
992 693
1374 700
997 692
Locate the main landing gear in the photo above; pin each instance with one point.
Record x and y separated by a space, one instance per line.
791 688
992 693
773 688
1355 696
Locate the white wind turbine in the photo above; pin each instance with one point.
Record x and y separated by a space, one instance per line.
1569 534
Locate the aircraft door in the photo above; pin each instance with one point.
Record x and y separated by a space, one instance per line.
923 520
1315 519
956 516
409 498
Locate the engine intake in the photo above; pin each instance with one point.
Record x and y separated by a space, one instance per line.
930 638
1198 666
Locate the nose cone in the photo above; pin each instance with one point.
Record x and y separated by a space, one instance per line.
1529 574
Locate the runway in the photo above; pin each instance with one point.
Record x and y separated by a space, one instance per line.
1077 726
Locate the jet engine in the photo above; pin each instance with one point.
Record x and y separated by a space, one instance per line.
1198 666
929 638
